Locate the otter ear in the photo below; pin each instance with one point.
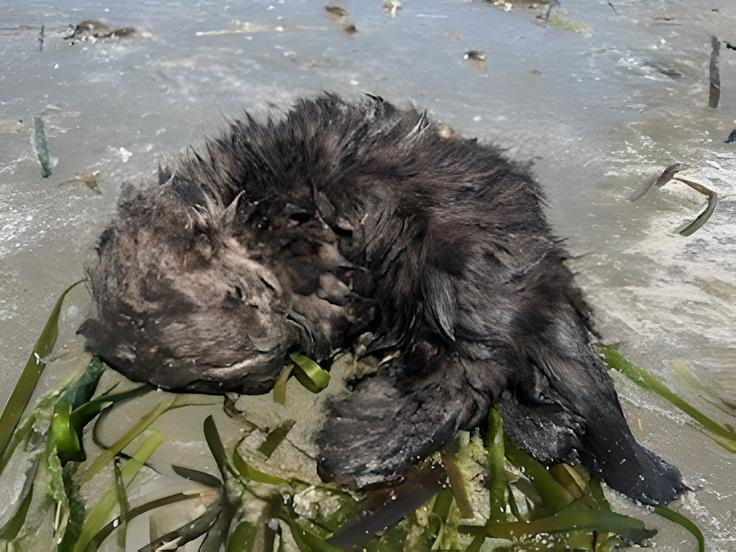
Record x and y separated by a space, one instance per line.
164 174
239 210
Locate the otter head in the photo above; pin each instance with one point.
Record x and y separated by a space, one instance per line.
183 305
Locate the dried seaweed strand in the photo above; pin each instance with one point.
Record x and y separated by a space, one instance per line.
671 173
703 217
661 180
41 146
715 74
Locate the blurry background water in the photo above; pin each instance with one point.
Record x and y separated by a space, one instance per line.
601 101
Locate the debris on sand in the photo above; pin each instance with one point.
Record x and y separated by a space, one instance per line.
731 137
246 27
508 5
89 26
337 11
446 131
17 28
714 94
553 4
93 30
391 7
41 38
89 179
502 4
41 147
475 55
453 35
663 69
556 18
476 59
11 126
123 32
562 23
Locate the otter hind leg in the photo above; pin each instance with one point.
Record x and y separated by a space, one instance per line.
545 431
396 418
554 435
374 434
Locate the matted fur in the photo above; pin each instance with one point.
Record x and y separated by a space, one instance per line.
347 219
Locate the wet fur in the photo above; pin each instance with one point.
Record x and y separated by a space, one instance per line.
342 220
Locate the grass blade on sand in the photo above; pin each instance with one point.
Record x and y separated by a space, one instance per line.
682 521
123 506
569 519
14 522
554 496
99 513
203 478
616 360
217 449
457 481
106 456
279 388
243 539
716 399
497 467
384 508
310 374
136 511
31 373
186 533
275 437
249 473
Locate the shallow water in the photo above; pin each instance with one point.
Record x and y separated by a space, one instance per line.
601 112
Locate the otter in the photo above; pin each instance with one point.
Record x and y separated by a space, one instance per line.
359 222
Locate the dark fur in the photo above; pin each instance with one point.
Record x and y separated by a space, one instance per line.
346 219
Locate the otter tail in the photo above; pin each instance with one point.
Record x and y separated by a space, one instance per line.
605 446
630 468
577 418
